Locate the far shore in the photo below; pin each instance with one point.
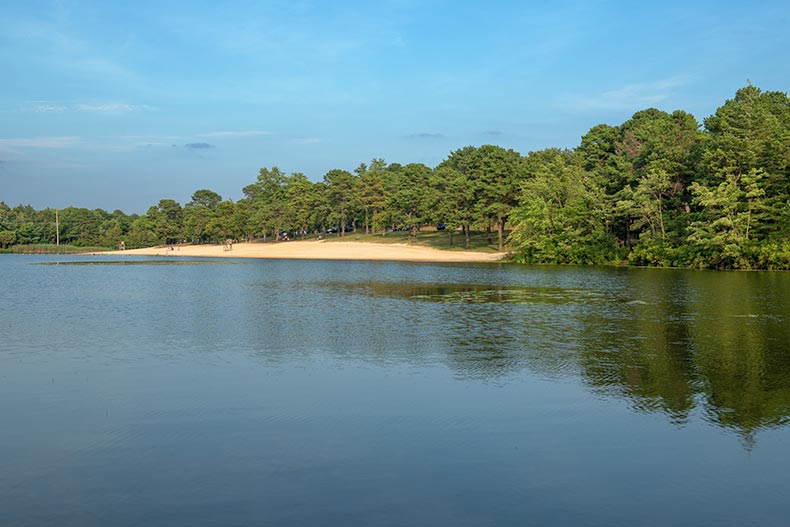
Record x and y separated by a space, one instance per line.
319 250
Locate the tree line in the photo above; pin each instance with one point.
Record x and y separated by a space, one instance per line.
660 189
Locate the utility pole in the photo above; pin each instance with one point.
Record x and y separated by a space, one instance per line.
57 229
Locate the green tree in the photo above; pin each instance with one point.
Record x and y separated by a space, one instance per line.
649 202
731 210
142 232
110 233
561 211
461 169
166 221
29 232
407 203
340 188
7 238
268 202
223 224
320 208
370 190
198 214
205 198
752 133
299 194
6 217
453 200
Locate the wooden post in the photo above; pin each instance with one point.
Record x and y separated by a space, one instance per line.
57 229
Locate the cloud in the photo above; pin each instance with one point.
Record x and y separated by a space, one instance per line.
306 140
231 134
494 132
198 146
113 108
110 108
632 97
39 142
48 108
100 66
426 135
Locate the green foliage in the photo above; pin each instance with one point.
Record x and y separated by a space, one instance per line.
655 253
51 248
7 238
340 193
479 186
731 211
656 190
560 212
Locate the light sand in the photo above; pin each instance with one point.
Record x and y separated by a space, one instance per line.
321 250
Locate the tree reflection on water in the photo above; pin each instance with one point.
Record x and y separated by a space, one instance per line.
675 342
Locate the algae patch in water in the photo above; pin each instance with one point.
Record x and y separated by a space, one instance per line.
477 293
142 262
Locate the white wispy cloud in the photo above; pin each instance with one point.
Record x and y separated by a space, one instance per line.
305 140
635 96
102 67
61 47
39 142
46 108
111 108
108 108
232 134
105 108
427 136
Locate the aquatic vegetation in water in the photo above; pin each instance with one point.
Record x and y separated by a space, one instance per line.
482 293
141 262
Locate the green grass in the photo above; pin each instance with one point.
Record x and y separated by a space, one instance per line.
425 238
51 248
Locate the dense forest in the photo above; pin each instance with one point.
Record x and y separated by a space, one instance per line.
658 190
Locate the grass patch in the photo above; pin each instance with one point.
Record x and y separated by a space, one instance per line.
478 241
51 248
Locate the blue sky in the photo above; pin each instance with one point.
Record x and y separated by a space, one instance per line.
120 104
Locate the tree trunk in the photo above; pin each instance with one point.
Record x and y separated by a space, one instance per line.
466 230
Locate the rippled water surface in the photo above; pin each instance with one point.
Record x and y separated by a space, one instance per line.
355 393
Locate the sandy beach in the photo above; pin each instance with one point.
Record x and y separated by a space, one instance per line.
320 250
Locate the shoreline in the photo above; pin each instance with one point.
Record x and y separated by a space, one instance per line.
319 250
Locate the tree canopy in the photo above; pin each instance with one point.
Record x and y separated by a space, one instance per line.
659 189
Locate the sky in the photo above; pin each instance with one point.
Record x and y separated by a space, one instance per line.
117 105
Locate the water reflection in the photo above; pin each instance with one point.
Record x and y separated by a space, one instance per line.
678 343
685 344
643 350
382 390
718 341
741 352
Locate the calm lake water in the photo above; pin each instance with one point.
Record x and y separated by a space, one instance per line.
356 393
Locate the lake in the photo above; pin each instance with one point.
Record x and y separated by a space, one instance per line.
274 392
